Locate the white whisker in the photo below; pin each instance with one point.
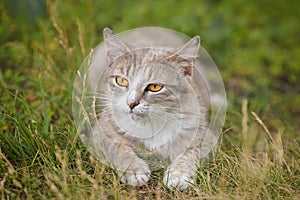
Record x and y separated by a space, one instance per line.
169 120
178 110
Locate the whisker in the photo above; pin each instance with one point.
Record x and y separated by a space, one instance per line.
102 113
100 107
108 109
169 120
97 97
180 110
95 93
96 105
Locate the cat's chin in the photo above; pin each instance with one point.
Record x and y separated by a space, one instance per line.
140 118
138 114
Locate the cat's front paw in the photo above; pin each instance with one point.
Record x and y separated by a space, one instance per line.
137 174
178 179
136 179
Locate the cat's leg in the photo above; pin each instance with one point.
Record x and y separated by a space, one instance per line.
130 168
116 151
180 174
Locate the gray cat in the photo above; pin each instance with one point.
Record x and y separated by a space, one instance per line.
148 98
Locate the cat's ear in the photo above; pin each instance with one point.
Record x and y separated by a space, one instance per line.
114 46
186 55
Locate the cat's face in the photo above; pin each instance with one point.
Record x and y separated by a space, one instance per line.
142 83
148 88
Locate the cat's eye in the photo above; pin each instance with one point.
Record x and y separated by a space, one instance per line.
121 81
154 87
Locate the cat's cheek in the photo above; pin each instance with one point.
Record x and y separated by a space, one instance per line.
120 106
125 108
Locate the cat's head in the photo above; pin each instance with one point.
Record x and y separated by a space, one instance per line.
149 84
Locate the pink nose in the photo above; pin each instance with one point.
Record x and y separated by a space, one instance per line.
132 105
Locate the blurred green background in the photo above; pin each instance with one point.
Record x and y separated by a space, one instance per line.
255 44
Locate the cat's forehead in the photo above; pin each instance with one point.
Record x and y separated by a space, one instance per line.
144 55
143 61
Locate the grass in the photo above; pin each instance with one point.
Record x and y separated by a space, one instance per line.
41 157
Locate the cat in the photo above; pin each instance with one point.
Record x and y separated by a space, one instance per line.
148 97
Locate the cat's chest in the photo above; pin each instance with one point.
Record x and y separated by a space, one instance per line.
165 133
157 130
164 137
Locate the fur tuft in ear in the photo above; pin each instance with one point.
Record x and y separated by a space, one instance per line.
186 55
114 46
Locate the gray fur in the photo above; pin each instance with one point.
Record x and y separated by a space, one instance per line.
172 122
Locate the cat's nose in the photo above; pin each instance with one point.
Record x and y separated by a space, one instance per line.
132 105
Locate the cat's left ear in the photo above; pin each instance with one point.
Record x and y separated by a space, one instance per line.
186 55
114 46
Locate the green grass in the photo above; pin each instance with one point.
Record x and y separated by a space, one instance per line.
255 45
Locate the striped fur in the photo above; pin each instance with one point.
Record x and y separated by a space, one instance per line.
171 122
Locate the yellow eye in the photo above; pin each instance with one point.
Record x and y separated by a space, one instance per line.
121 81
154 87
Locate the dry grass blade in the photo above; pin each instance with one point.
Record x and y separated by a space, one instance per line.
263 125
10 166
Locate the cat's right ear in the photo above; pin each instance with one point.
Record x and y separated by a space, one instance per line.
114 46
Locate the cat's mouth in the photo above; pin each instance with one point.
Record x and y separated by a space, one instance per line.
140 111
139 114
